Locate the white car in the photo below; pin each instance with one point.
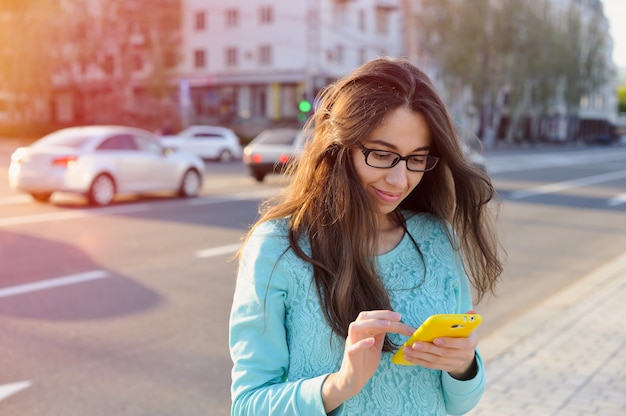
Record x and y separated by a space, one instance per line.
272 150
101 162
208 142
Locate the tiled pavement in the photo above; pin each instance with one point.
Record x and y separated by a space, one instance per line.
565 357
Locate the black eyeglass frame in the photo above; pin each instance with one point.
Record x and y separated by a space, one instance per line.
366 152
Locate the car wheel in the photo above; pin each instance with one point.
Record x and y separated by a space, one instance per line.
190 184
226 156
41 196
259 176
102 190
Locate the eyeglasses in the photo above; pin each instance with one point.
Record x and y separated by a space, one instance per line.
384 159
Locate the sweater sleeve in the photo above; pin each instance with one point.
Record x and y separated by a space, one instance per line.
461 396
258 337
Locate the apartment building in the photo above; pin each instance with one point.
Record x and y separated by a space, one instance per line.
250 62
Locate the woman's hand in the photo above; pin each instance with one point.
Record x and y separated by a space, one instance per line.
362 353
454 355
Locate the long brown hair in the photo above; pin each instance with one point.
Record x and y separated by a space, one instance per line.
327 205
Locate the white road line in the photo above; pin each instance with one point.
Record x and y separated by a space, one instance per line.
15 199
561 186
263 193
218 251
51 283
125 209
10 389
513 163
70 215
617 200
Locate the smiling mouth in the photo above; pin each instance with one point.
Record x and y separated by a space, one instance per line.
388 197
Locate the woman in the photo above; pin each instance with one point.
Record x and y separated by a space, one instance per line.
381 220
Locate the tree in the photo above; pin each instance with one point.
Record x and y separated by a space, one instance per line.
28 59
519 58
621 95
105 54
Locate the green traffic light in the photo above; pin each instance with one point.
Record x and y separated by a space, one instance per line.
304 106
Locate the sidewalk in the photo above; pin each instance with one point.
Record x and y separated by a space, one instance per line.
566 357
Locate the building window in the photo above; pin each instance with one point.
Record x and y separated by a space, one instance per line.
137 61
584 102
382 21
599 101
362 21
231 57
265 55
200 21
266 15
199 58
339 54
232 17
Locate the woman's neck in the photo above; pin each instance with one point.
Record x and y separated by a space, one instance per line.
390 234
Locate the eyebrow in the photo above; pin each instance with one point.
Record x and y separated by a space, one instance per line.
394 147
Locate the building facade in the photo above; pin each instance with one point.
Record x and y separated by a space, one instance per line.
249 63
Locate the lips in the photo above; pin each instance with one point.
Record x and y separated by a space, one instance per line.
388 197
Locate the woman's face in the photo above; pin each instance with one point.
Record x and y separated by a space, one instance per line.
404 132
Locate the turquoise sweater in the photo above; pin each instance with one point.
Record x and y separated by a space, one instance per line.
283 349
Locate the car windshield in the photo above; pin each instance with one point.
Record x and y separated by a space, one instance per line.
63 139
276 137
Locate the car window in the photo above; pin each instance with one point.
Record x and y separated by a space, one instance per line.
118 142
286 138
147 145
207 136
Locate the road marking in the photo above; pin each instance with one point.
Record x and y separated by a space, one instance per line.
15 199
263 193
10 389
525 162
70 215
52 283
562 186
218 251
125 209
617 200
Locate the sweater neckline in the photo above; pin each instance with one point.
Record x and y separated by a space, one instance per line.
393 253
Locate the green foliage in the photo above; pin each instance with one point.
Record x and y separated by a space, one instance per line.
621 98
529 51
86 47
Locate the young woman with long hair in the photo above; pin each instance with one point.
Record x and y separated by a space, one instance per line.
384 223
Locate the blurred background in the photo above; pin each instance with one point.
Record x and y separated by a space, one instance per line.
511 71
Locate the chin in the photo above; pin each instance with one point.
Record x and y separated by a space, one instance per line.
387 209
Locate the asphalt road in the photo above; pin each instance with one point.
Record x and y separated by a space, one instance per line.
123 310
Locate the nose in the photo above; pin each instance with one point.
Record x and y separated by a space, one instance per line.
398 175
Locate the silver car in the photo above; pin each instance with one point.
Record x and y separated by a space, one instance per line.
208 142
101 162
272 150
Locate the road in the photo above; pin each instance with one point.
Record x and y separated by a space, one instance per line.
123 310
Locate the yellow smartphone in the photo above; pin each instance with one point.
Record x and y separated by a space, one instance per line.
455 325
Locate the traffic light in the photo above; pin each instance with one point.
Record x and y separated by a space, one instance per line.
304 108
